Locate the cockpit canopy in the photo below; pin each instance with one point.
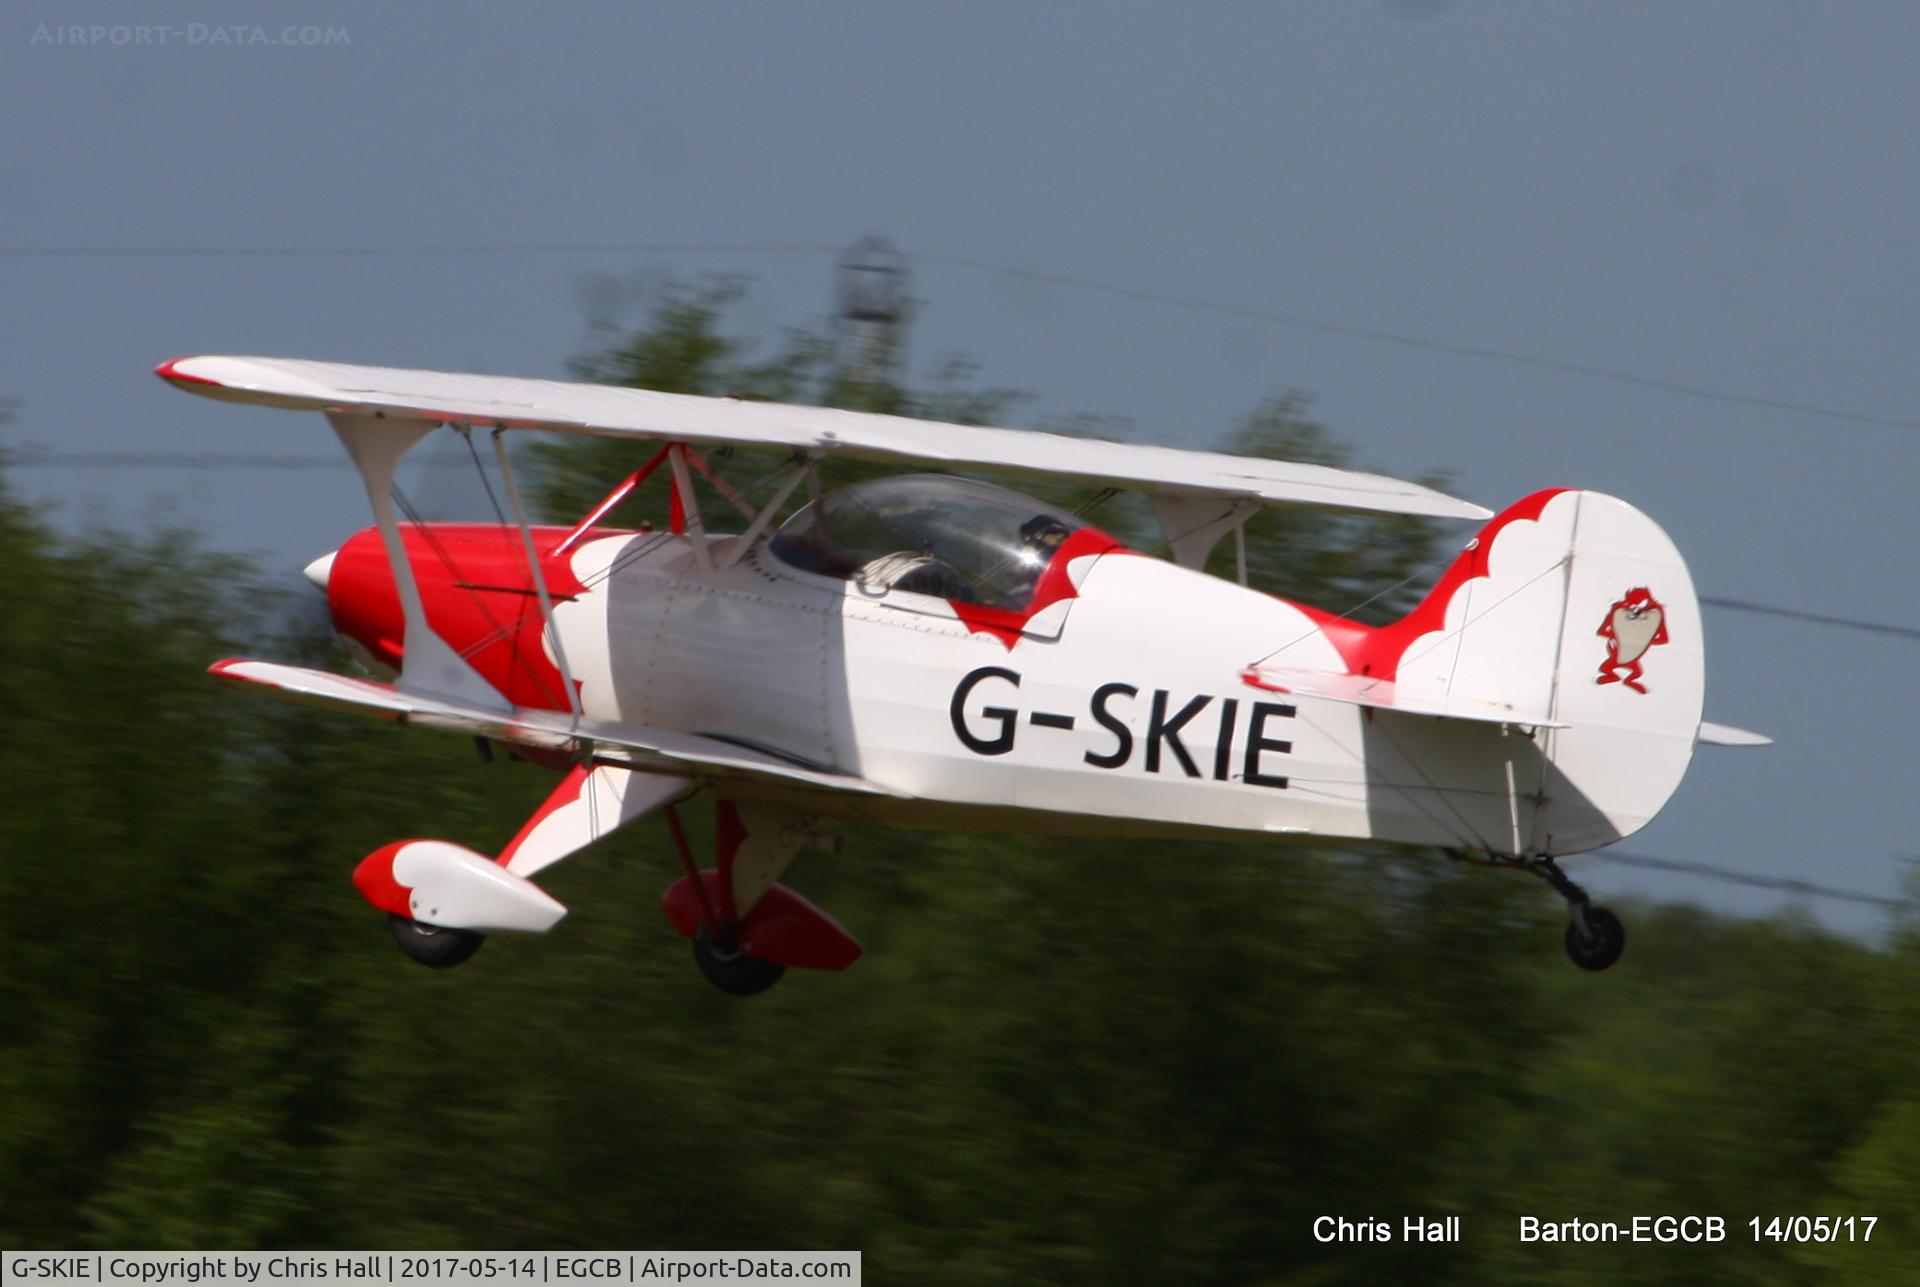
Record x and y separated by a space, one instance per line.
932 534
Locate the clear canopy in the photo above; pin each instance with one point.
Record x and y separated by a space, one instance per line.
929 534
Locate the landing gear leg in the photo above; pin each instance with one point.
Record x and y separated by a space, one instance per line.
715 950
1595 936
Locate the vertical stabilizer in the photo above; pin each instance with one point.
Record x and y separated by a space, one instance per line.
1577 604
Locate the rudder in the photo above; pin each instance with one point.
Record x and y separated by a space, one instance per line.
1576 604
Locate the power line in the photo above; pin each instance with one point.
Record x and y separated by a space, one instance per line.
30 457
40 457
1732 877
1817 618
404 250
1297 321
1403 339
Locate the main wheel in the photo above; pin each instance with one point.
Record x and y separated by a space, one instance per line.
730 969
434 946
1603 942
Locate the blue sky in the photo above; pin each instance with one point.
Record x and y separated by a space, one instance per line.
1714 194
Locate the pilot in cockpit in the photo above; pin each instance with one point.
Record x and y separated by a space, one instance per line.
1040 539
928 534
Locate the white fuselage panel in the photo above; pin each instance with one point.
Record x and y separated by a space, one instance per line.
1125 710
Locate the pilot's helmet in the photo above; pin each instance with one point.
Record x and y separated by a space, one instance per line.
1044 532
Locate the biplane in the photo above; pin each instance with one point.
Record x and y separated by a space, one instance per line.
928 650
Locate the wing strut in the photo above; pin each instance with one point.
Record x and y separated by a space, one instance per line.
1193 525
720 484
614 497
539 578
802 469
428 664
690 506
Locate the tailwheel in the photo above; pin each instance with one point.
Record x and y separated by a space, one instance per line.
1598 942
435 946
1595 936
730 969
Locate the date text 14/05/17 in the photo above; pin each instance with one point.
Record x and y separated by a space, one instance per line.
1813 1228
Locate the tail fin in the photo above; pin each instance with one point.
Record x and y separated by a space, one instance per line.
1576 604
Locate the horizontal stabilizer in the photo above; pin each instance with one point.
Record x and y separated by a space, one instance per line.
1712 734
660 750
1382 694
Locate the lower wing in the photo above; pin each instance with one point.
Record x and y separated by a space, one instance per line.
632 745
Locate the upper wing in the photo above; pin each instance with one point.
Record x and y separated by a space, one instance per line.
642 748
438 396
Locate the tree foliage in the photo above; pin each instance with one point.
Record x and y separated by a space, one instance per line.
1060 1061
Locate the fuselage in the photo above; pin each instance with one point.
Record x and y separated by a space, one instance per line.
1114 704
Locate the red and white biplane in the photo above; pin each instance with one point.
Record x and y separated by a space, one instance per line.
925 650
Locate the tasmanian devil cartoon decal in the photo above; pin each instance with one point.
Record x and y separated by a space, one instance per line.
1635 623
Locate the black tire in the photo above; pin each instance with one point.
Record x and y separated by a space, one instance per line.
434 946
731 970
1601 946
